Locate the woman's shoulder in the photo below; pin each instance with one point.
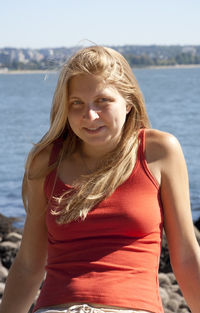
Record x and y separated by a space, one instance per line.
162 147
161 141
40 161
157 135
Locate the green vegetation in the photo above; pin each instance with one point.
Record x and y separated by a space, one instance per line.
145 60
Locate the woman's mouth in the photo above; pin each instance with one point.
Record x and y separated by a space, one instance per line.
93 130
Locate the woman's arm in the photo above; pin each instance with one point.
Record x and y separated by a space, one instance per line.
27 271
183 247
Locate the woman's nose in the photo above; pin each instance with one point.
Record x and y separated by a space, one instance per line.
91 113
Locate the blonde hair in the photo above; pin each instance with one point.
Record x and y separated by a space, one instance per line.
118 164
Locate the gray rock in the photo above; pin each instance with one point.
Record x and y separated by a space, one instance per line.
175 296
13 237
173 305
165 266
3 272
164 280
183 304
2 287
172 278
8 251
197 233
175 289
166 310
197 223
164 296
6 224
7 245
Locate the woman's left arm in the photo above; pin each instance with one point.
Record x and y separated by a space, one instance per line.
183 246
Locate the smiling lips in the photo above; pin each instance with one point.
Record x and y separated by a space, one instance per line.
93 130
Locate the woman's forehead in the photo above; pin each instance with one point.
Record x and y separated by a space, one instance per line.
86 83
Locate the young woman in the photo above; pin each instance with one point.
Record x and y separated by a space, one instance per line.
98 188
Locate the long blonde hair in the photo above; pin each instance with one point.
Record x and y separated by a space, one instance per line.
118 164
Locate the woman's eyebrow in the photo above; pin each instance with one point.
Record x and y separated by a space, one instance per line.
74 97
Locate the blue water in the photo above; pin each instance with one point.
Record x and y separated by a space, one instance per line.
173 103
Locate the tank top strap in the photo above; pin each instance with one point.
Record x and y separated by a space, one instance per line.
141 148
57 145
142 158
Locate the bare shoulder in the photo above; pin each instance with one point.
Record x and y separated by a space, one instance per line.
40 161
34 184
161 139
161 145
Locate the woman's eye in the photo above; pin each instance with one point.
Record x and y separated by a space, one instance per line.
102 100
76 104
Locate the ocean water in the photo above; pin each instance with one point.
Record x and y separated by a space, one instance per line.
173 103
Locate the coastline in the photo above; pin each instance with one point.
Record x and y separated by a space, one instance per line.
157 67
177 66
11 72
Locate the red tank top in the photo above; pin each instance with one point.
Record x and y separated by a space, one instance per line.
112 257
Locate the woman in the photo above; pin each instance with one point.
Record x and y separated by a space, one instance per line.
98 188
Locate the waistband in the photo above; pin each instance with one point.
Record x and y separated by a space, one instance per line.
85 308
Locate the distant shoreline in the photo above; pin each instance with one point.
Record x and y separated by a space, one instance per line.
177 66
27 71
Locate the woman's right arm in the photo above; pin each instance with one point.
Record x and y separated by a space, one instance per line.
27 271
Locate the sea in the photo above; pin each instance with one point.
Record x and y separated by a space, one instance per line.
172 97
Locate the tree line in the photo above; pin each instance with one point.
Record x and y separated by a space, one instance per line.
145 60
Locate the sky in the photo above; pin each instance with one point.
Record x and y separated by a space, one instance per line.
66 23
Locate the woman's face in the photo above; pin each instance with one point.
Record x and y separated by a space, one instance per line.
96 113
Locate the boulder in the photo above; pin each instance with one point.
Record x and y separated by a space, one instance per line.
3 272
6 224
13 237
2 287
197 223
8 251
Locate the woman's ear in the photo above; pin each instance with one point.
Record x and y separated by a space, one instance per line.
128 108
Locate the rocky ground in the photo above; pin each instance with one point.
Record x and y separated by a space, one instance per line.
172 298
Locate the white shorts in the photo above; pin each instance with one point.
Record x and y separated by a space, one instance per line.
85 308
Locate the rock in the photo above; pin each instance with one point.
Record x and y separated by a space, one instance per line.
165 266
13 237
164 280
175 296
173 305
8 251
167 310
172 278
175 289
197 223
197 233
6 224
2 287
7 245
164 296
3 272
